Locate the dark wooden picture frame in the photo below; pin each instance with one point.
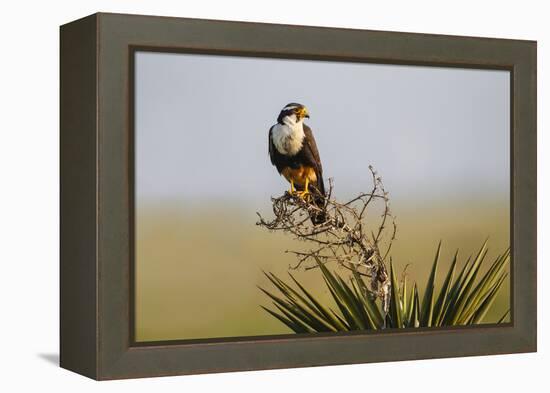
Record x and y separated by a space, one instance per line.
97 205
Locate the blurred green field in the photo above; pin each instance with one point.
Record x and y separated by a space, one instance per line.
197 269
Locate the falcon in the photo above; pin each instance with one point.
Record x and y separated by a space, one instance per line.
293 151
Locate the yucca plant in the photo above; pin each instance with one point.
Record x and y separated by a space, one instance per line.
461 299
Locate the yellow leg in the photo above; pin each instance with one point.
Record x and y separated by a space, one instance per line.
303 194
292 189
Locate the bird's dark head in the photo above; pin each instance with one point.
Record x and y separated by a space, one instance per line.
294 111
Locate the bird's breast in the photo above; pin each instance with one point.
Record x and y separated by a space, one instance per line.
288 140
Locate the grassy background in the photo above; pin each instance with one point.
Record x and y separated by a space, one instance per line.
197 269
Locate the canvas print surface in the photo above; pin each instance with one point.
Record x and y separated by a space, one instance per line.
279 196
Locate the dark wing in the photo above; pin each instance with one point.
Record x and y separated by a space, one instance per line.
271 147
311 153
310 150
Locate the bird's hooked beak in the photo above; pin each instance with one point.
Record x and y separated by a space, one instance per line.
303 113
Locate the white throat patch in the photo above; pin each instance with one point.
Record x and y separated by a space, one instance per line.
288 137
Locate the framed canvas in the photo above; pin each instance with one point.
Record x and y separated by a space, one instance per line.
243 196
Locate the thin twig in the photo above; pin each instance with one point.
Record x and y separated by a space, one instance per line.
343 237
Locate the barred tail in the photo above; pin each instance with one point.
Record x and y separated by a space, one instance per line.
318 193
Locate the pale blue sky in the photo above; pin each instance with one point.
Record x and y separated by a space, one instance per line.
432 133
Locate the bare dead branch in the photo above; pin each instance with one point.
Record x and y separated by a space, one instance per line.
344 237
